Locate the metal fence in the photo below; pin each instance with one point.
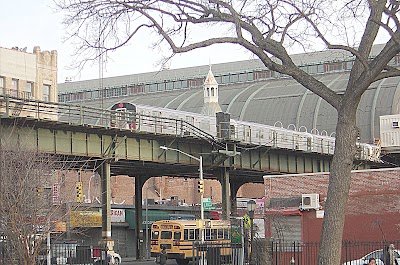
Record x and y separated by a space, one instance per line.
217 253
70 254
352 253
74 255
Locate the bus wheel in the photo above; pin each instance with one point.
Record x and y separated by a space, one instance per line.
182 261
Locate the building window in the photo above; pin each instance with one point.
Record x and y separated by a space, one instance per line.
46 93
2 90
14 88
29 90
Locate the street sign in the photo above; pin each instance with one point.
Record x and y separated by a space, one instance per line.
207 204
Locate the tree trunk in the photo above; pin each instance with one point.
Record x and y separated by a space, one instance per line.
339 185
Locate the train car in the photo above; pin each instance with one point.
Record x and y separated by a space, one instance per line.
174 122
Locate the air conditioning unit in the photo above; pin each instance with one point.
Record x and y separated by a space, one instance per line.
395 124
310 201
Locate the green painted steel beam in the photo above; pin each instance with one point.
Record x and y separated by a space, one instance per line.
140 152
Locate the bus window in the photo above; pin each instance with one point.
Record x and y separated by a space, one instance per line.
226 234
177 235
154 235
208 234
188 234
220 233
213 234
166 234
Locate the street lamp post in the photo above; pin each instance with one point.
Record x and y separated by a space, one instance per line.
251 206
200 160
147 218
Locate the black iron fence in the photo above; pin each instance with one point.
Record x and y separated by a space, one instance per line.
352 253
217 253
70 254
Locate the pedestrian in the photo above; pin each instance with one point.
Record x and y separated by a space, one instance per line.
372 261
163 256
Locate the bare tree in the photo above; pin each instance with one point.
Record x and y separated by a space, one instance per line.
268 29
26 210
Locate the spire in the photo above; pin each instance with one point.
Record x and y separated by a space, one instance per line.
210 92
210 79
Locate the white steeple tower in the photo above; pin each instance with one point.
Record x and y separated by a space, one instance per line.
210 91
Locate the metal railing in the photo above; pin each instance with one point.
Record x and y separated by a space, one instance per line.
244 132
352 253
217 253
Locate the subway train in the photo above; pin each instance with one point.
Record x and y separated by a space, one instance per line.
174 122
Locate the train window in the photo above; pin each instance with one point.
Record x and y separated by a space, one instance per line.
177 235
166 234
154 235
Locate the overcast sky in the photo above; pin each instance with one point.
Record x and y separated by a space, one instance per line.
27 23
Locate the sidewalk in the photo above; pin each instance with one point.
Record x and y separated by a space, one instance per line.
133 259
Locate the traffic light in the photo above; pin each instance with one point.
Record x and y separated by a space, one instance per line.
79 194
200 186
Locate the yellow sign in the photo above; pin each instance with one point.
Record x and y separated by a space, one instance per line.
246 221
60 227
85 219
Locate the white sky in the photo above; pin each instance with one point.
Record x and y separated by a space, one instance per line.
28 23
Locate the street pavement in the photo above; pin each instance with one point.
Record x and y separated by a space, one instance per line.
131 261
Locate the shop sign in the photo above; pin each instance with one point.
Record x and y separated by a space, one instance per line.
117 215
85 219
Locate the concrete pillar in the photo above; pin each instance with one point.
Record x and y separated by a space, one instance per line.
105 174
226 193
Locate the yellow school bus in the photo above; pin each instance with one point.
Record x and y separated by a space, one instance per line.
178 237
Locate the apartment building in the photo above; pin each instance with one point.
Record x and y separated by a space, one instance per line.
28 76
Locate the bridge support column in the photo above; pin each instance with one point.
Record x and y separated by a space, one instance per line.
234 189
226 194
140 247
105 174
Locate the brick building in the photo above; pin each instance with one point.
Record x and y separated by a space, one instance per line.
372 213
157 188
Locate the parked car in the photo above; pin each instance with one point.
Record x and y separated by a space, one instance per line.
116 258
112 259
377 255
